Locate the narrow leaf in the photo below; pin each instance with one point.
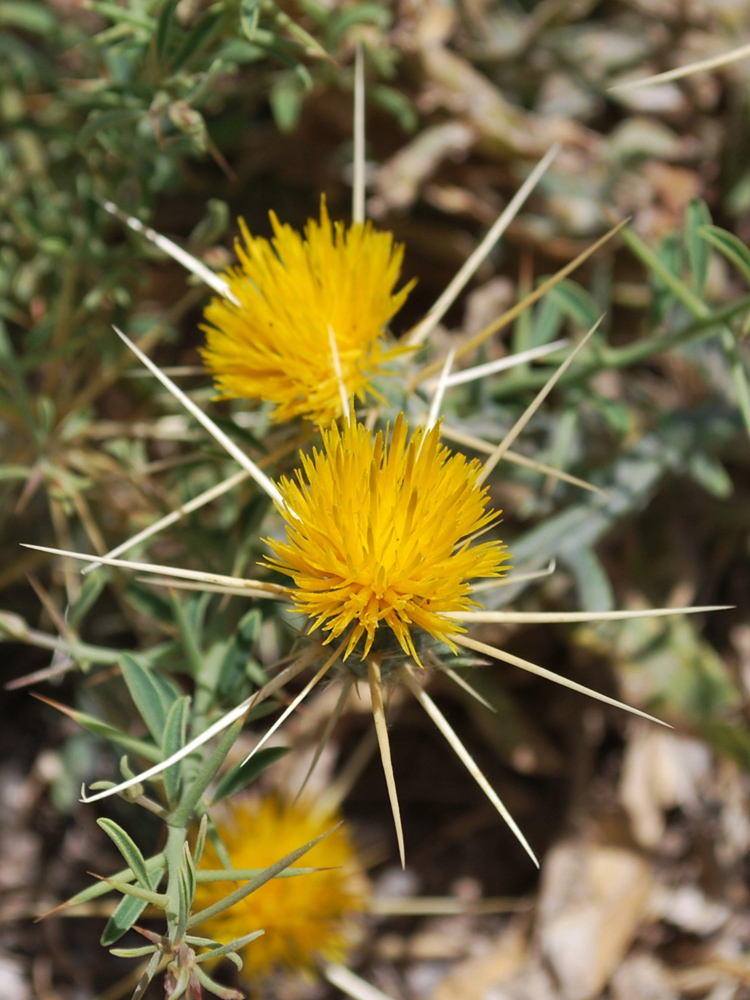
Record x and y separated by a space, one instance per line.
155 898
149 697
115 118
104 730
163 26
128 911
148 975
575 303
146 949
232 946
200 840
198 37
175 734
155 866
697 216
729 246
128 848
243 774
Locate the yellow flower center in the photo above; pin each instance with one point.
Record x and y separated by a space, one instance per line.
292 295
379 534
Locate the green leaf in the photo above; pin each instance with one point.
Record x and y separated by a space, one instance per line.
145 600
136 892
163 27
107 732
93 584
396 104
200 840
662 272
186 886
128 910
245 874
148 975
14 472
665 664
232 670
710 474
249 17
149 696
154 866
146 949
729 246
239 777
114 118
189 623
224 949
575 303
211 986
128 848
175 734
199 36
669 255
213 225
36 18
697 215
594 589
547 322
285 98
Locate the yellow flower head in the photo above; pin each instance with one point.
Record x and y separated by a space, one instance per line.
381 534
305 917
292 296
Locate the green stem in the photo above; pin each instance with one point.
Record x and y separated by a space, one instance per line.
700 310
176 837
192 795
622 357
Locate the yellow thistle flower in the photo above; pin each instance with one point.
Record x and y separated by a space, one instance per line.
381 534
306 918
270 337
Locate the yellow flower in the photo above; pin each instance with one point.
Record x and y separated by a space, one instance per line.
305 917
270 337
381 534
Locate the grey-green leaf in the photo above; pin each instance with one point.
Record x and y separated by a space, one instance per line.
729 246
150 697
163 27
241 775
697 216
128 848
576 303
175 734
127 912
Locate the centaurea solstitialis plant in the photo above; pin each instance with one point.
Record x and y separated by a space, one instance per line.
380 543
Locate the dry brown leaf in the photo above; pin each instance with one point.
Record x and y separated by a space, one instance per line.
661 770
642 977
593 901
399 179
476 977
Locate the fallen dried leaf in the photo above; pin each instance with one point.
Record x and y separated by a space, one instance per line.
593 900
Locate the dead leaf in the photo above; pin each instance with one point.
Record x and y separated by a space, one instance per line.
400 178
642 977
661 770
476 977
593 901
689 909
